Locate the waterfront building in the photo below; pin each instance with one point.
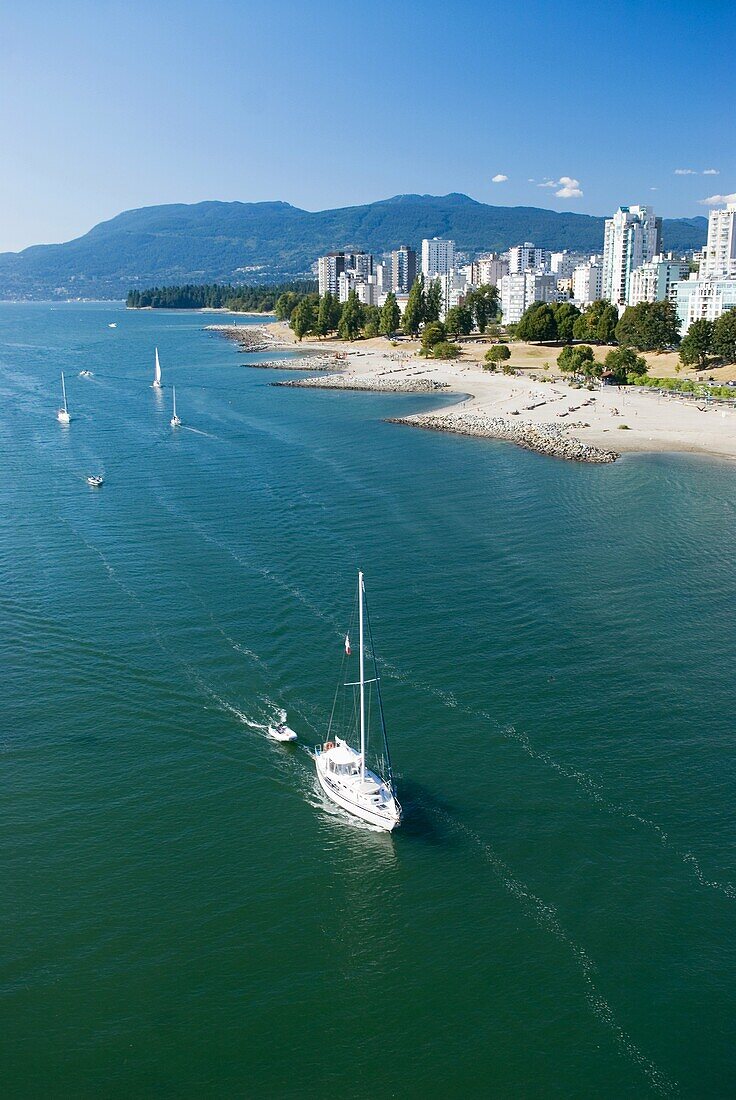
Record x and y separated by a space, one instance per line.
519 291
655 281
438 256
384 276
562 264
697 298
454 286
403 269
329 270
527 257
632 238
587 281
718 258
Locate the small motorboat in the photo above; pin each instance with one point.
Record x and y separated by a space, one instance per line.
95 480
281 732
86 374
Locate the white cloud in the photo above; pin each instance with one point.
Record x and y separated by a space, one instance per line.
531 180
718 200
570 188
499 178
711 172
685 172
654 189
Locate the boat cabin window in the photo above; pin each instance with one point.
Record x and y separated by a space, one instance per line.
343 769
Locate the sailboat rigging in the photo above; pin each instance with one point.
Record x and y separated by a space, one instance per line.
63 414
175 421
341 769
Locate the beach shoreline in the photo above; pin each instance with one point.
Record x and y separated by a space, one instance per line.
533 408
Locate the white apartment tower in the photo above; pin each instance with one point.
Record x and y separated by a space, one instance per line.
329 270
403 269
526 257
587 282
632 238
438 257
655 281
519 291
719 255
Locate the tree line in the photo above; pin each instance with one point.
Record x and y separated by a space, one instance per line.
245 299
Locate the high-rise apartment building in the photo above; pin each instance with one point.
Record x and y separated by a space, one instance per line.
718 258
632 238
329 270
587 282
438 257
403 269
527 257
519 291
655 281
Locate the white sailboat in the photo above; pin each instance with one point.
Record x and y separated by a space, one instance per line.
63 414
341 769
156 384
175 421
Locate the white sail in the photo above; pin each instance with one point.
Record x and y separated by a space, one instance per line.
175 421
157 372
63 414
63 393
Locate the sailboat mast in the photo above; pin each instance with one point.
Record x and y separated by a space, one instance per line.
173 391
362 677
63 391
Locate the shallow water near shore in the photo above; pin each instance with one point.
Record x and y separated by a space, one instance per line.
182 914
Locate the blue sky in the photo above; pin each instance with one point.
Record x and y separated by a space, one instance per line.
113 105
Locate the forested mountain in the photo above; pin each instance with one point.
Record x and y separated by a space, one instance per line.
235 242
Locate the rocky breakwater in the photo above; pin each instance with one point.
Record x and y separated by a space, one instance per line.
374 383
545 439
247 337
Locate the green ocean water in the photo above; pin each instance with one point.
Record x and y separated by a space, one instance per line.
181 915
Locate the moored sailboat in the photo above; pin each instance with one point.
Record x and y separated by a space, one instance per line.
341 770
62 414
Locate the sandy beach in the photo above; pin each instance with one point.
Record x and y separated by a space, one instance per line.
533 407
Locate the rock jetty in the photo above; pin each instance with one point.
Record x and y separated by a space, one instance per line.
375 383
545 439
248 337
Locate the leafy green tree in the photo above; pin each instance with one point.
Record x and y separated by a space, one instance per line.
649 326
351 318
371 321
537 323
445 350
499 353
566 314
433 301
459 321
414 312
697 344
483 306
325 315
578 359
625 365
304 317
390 315
724 336
597 323
433 333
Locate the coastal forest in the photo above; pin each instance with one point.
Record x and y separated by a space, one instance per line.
245 299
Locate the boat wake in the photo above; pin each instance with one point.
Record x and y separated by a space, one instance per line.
546 917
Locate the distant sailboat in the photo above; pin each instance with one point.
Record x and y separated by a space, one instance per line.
175 421
113 324
63 414
341 769
156 384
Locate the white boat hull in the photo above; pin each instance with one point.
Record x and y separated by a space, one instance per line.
285 735
63 417
341 797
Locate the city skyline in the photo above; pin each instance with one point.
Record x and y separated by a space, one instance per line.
164 107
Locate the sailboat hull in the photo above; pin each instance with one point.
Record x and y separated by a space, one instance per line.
386 819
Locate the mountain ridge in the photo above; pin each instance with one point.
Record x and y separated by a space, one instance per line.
216 241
